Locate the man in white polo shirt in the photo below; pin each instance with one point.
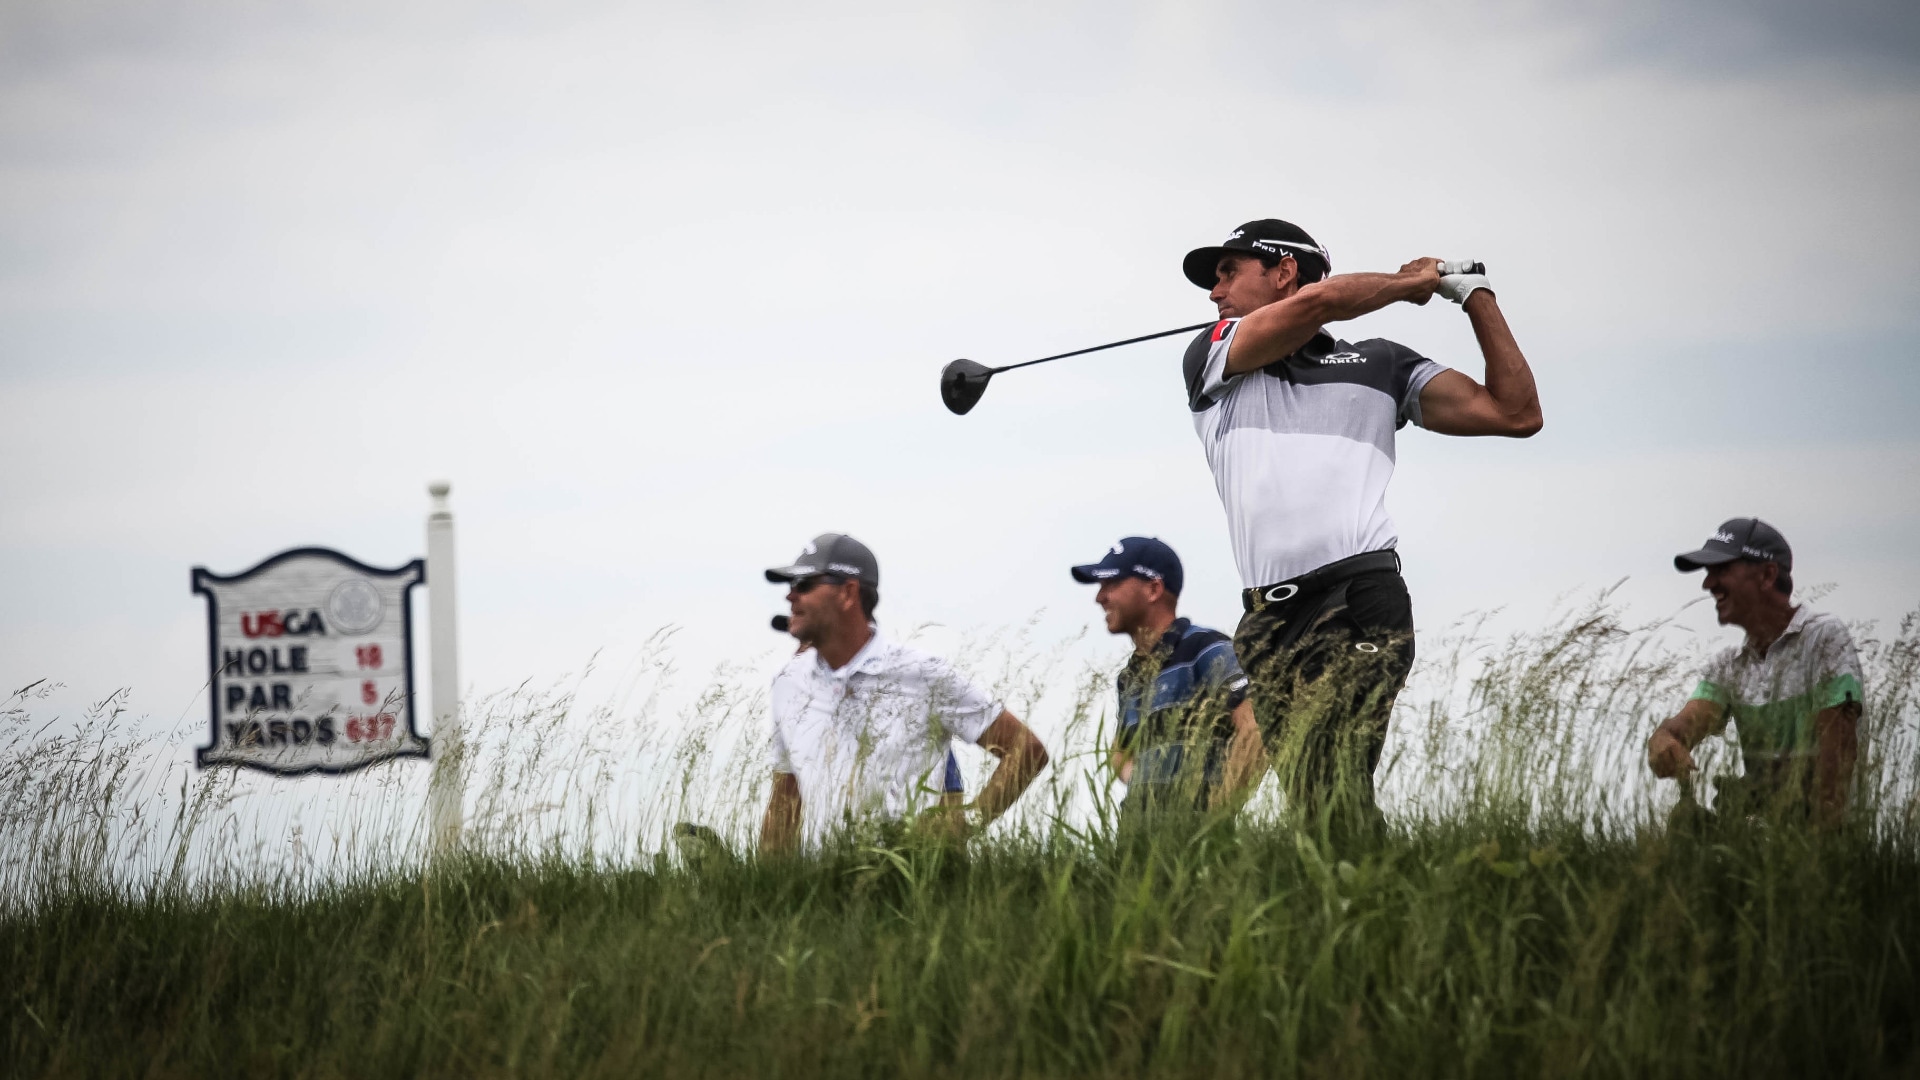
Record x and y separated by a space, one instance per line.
1792 687
861 724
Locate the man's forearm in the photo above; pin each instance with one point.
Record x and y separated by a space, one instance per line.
1009 781
1509 379
1280 328
1349 296
1669 750
1694 722
1837 744
1022 756
780 827
1246 754
1245 757
776 833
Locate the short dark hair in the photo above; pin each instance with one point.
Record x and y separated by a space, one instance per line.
869 598
1311 269
1783 578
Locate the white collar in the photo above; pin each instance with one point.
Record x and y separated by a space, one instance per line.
859 662
1801 613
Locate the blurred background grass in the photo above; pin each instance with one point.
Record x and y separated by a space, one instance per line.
1527 912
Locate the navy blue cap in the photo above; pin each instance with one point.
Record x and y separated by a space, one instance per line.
1136 556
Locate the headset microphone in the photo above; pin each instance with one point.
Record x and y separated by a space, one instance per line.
780 623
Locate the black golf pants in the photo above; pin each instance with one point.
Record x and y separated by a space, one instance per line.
1326 654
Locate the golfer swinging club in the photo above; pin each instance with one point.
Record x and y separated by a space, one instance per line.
861 723
1298 427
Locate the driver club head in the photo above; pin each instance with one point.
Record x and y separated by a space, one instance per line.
961 384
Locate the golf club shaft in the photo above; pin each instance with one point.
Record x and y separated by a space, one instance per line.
1463 266
1108 345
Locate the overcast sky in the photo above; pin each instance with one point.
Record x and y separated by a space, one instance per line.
664 290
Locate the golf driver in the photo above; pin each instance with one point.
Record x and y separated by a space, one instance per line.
962 382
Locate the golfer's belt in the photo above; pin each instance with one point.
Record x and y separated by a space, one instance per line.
1315 581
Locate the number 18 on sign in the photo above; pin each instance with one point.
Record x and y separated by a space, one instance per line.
312 658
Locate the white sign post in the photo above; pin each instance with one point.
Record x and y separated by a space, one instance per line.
444 789
312 660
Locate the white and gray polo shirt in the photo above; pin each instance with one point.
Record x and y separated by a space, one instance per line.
864 740
1302 449
1773 697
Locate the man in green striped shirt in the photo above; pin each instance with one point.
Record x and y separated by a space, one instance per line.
1792 688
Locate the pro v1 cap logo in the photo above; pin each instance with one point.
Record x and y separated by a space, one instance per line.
1739 538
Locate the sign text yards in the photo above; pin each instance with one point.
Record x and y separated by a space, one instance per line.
312 663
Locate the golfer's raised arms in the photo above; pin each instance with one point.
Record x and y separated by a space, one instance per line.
1280 311
1509 404
1275 323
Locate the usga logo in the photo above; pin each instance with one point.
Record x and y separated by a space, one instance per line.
275 623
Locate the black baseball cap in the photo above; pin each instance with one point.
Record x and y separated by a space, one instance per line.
1268 236
1739 538
1136 556
831 553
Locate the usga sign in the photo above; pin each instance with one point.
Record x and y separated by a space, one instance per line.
312 664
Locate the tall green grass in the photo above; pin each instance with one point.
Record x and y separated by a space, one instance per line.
1527 912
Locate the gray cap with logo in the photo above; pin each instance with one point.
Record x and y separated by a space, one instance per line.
1739 538
831 553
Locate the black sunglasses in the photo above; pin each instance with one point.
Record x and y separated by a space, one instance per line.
803 586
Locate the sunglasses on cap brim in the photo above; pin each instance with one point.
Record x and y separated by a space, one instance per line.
805 585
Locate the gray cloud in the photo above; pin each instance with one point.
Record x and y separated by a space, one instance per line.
1866 39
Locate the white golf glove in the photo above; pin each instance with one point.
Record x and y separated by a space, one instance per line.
1457 287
